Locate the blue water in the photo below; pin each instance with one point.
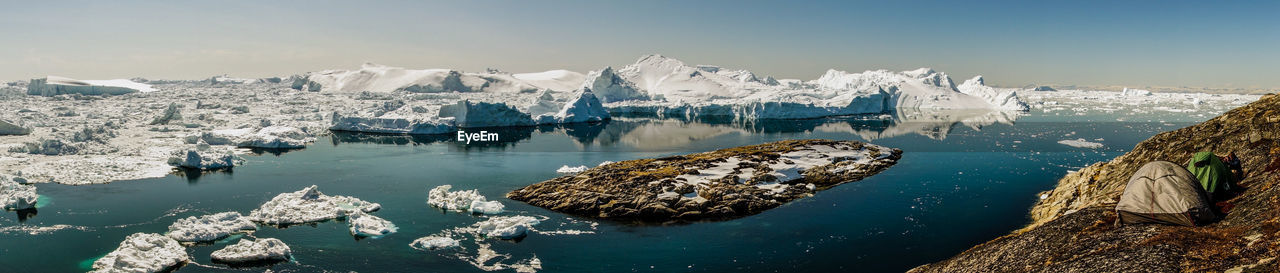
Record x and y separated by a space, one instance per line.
955 186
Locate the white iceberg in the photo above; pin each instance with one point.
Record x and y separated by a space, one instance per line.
393 125
1129 92
1001 98
204 157
504 227
611 88
54 85
468 200
246 251
272 137
143 252
559 80
209 227
363 224
467 114
15 195
1080 143
434 243
381 78
308 205
571 170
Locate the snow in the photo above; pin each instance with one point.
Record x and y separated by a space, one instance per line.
559 80
259 250
204 157
143 252
1080 143
308 205
571 170
504 227
209 227
54 85
434 243
468 200
789 166
16 196
368 225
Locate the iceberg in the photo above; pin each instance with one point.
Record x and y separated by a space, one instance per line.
396 125
15 195
204 157
612 88
571 170
246 251
363 224
467 114
434 243
209 227
1080 143
468 200
504 227
9 128
54 85
270 137
308 205
143 252
1002 99
583 108
381 78
1128 92
558 80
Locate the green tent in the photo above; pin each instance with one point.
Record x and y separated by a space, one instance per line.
1212 173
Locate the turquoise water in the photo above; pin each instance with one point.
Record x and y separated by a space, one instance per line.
957 185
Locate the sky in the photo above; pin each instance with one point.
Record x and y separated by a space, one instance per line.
1221 44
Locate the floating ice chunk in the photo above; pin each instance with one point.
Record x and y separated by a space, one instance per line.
9 128
1001 98
204 157
1134 92
612 88
567 169
468 200
368 225
209 227
1080 143
246 251
393 125
434 243
467 114
272 137
582 108
54 85
504 227
16 196
308 205
143 252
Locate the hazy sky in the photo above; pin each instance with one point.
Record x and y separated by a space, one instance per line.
1137 43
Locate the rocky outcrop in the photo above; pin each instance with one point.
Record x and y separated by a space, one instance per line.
1073 228
714 185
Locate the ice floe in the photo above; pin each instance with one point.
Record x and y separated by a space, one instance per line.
16 196
209 227
308 205
434 243
204 157
504 227
1080 143
272 137
363 224
143 252
571 170
247 251
467 200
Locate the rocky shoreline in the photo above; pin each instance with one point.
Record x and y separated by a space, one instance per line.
716 185
1073 226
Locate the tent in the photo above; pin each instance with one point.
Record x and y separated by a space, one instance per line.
1211 172
1166 193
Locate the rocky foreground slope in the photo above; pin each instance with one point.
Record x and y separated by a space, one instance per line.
720 184
1073 227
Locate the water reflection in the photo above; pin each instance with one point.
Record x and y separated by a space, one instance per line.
25 214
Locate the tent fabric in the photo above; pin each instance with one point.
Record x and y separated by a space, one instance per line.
1166 193
1211 172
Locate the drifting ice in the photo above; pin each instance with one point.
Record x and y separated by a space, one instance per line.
308 205
143 252
246 251
209 227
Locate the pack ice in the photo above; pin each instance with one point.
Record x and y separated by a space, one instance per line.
246 251
15 195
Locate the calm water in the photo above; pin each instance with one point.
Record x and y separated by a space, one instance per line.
959 183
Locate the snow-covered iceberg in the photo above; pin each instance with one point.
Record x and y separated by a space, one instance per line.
467 114
1001 98
204 157
15 195
611 88
54 85
504 227
271 137
209 227
9 128
392 125
1130 92
381 78
363 224
434 243
308 205
246 251
1080 143
143 252
468 200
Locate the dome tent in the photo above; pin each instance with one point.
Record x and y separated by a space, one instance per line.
1166 193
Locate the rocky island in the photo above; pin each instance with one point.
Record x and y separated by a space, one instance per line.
716 185
1073 226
